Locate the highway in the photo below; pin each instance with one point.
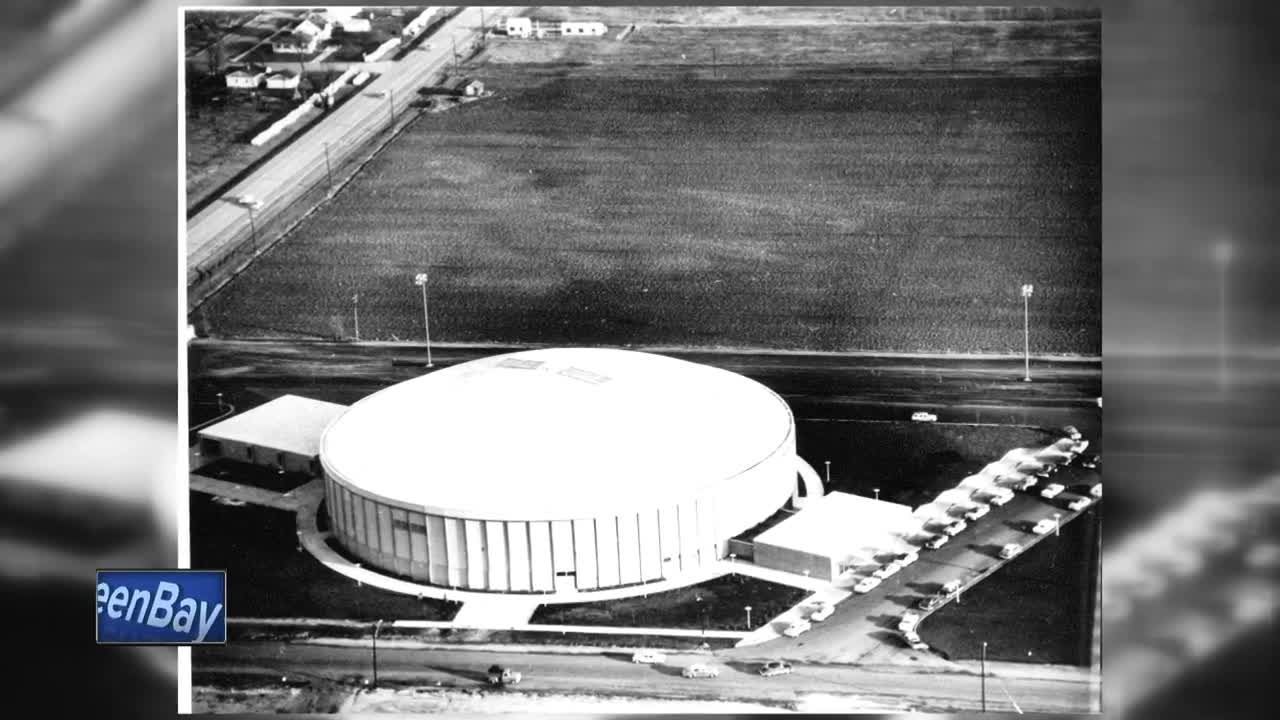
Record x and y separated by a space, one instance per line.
301 163
611 674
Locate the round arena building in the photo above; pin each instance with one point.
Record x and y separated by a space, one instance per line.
558 470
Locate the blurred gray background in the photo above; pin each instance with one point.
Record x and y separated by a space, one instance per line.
89 323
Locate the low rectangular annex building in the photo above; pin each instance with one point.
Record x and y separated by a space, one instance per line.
281 434
834 532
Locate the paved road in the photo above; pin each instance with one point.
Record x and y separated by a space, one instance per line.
302 162
615 674
821 387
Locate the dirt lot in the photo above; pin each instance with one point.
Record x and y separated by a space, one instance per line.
595 201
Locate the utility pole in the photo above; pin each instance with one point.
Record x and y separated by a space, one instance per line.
713 61
377 626
253 230
454 40
355 300
1222 256
827 463
391 104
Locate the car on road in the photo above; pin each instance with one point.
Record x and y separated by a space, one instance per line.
924 417
1052 490
936 542
908 622
247 201
866 584
1096 490
913 640
977 512
775 667
648 656
932 602
700 670
1079 504
821 612
1010 550
797 628
1043 526
952 587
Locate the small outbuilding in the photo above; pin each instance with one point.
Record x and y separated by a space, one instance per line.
283 434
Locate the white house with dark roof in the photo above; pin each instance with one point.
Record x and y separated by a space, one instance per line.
283 80
245 78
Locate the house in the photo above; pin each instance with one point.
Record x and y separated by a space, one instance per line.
305 37
283 80
355 25
571 29
245 78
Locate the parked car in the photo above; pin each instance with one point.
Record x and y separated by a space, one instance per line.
936 542
908 622
1010 550
822 612
955 528
1071 432
1091 463
699 670
1079 446
976 512
907 558
951 587
797 628
866 584
924 417
1096 490
887 571
1044 526
499 675
648 656
1079 504
1052 490
913 640
930 603
775 667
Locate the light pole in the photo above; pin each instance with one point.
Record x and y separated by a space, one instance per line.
328 169
391 105
421 281
984 677
828 464
1223 252
1026 329
702 611
355 305
1057 524
253 230
376 627
877 492
748 609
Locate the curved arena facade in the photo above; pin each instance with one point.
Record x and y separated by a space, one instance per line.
559 470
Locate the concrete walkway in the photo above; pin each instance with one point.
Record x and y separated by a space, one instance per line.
246 493
457 624
776 576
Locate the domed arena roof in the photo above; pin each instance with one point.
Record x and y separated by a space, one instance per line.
555 434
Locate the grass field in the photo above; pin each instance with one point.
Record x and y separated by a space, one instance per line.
721 601
774 205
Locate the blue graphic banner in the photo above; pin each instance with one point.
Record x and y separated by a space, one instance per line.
172 607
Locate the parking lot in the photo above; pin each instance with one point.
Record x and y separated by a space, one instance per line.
864 627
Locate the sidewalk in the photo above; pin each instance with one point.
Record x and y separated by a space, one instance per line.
455 625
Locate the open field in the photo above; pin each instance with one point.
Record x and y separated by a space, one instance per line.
629 203
721 600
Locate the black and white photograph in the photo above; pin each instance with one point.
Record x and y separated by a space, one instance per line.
646 359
